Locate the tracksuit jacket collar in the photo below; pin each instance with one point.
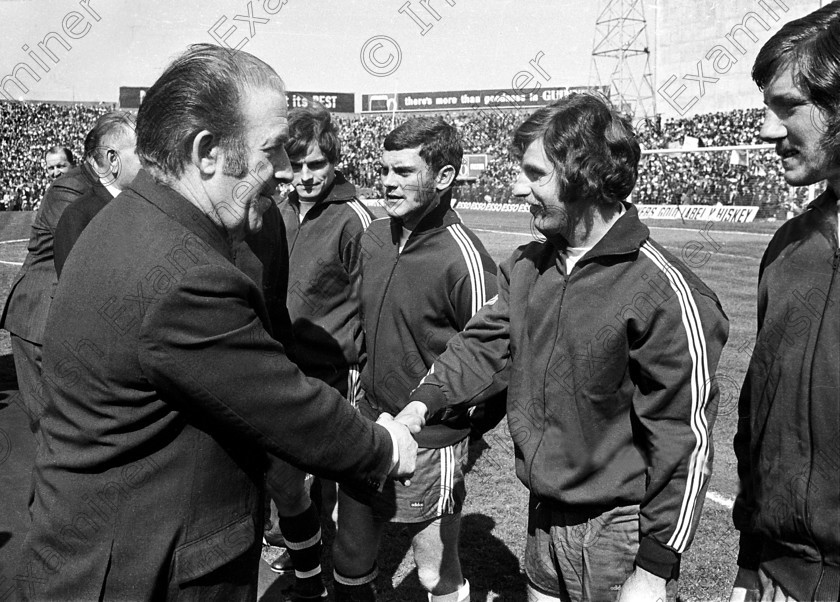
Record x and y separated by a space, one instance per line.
440 217
181 210
624 237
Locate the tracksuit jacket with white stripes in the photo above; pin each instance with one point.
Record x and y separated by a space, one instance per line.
323 263
412 303
609 369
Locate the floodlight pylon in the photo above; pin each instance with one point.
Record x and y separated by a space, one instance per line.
621 58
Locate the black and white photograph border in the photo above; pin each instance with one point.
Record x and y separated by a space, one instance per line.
709 188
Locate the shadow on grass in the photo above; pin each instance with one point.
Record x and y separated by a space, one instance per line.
486 561
492 568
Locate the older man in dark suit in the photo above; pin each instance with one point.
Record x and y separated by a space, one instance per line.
110 163
58 160
262 255
28 303
116 164
166 391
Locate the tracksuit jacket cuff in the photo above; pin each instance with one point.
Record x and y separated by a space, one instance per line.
432 396
749 551
656 558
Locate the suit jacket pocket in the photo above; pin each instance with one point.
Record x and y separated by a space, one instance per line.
204 555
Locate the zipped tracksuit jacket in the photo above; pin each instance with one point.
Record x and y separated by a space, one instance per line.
609 369
322 296
788 440
412 303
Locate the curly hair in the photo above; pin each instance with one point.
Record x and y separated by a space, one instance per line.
592 147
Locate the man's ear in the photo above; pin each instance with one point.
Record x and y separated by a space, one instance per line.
114 162
206 153
445 177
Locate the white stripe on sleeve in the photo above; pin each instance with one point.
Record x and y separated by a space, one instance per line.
700 392
364 217
472 258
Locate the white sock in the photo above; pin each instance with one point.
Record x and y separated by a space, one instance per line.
462 595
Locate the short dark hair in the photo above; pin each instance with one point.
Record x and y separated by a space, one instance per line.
203 89
590 144
111 125
313 123
440 143
810 44
59 150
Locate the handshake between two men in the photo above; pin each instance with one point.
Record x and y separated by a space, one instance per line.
402 429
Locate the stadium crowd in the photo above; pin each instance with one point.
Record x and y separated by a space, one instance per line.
742 178
705 178
26 131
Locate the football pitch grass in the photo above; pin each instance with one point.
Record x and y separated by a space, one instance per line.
726 257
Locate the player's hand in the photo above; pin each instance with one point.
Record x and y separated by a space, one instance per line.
746 587
413 416
405 448
642 586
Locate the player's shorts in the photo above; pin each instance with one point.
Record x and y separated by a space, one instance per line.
437 488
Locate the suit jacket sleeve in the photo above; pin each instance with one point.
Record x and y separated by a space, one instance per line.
203 346
70 226
270 247
57 198
28 302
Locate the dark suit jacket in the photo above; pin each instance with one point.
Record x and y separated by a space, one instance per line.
264 256
74 219
165 391
267 262
28 303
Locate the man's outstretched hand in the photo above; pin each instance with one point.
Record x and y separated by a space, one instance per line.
413 416
642 586
405 448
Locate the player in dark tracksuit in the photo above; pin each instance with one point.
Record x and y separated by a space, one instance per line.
413 301
608 346
324 222
324 251
788 507
423 275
